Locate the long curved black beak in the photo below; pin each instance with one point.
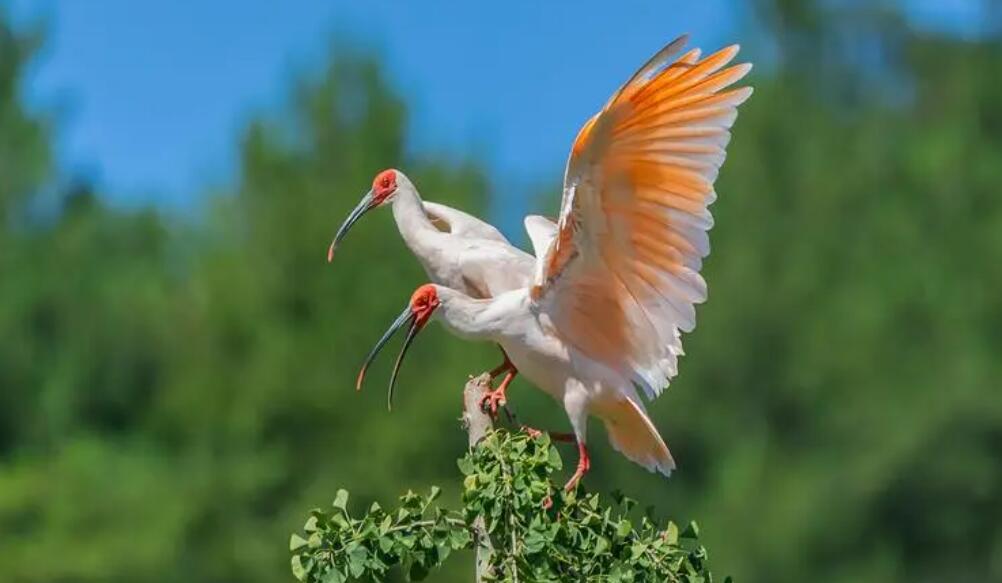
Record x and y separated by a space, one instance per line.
365 205
407 317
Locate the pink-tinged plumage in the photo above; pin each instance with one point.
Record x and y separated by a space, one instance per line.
617 279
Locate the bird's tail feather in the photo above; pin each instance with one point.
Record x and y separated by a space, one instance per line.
632 433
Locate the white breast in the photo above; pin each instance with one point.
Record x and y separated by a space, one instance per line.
540 357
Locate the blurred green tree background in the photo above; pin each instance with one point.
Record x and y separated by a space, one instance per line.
175 392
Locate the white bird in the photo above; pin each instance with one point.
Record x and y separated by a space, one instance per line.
456 249
618 283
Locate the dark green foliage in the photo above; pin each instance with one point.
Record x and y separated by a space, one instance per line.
416 536
537 532
25 154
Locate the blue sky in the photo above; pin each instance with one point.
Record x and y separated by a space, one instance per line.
155 92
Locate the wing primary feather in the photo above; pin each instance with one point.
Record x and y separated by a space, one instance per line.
653 64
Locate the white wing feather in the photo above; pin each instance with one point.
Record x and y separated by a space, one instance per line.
463 224
541 232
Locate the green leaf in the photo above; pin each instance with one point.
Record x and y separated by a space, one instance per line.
298 570
624 528
671 533
311 524
460 538
341 500
602 545
554 460
356 561
296 542
386 544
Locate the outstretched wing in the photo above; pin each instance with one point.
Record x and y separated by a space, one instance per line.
621 278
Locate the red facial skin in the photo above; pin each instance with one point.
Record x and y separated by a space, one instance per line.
384 185
423 303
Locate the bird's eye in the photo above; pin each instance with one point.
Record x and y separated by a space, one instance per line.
386 182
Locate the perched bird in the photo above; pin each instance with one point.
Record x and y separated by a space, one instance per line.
617 284
456 249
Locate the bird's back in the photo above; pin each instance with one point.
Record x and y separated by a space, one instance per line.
480 268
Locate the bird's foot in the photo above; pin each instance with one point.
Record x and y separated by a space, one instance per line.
498 397
492 400
584 464
554 435
532 432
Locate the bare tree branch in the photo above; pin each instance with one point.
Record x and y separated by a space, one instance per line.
477 425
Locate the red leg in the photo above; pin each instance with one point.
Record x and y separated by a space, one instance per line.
584 464
503 367
554 435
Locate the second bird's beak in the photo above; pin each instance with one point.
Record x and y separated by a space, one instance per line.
367 203
417 322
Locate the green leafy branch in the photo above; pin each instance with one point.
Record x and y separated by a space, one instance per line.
535 531
338 547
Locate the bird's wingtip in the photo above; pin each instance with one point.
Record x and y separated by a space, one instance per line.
666 469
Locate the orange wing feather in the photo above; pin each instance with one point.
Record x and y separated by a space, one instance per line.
621 277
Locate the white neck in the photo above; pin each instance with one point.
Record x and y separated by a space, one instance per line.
491 319
412 222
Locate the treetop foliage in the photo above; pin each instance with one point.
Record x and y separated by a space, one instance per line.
535 530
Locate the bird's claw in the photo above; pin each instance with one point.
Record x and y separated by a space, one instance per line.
492 401
533 432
